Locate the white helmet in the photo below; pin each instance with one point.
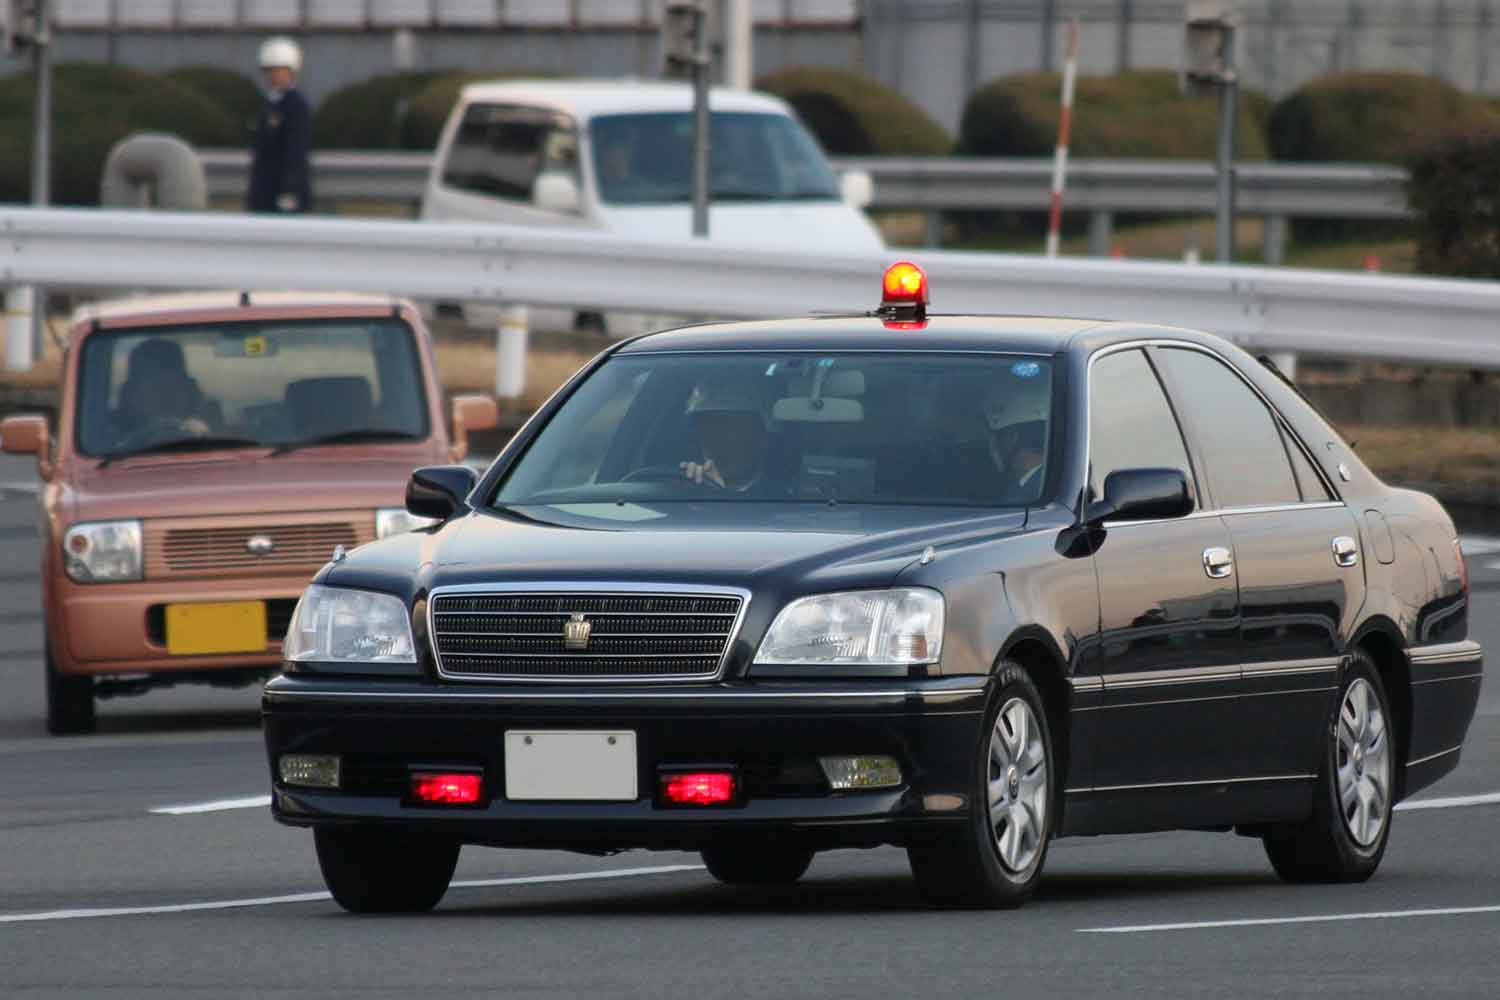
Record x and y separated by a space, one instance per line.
280 51
1021 399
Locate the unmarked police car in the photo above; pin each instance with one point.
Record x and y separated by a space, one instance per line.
959 584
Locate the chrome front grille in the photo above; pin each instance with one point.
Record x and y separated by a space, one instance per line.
189 549
631 635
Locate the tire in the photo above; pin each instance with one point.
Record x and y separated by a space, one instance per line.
996 860
70 702
1344 843
757 864
377 871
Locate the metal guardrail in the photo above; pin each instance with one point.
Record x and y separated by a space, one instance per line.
1433 321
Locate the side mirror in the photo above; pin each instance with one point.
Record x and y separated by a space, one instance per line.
1142 495
857 188
557 192
471 413
439 490
28 435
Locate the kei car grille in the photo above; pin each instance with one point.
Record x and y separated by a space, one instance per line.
191 547
634 636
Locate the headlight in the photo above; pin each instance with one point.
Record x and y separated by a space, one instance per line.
349 626
103 552
395 520
885 628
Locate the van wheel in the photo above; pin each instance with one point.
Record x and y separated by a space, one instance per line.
70 702
379 871
996 859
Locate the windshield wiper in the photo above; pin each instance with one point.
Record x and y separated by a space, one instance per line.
183 444
345 437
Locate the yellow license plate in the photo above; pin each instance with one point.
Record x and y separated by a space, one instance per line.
225 627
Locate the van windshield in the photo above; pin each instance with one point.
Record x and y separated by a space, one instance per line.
279 384
643 159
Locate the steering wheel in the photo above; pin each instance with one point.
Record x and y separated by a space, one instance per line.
160 428
658 474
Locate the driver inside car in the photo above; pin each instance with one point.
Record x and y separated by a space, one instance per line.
158 398
732 427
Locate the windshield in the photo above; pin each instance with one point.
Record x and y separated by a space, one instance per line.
925 429
648 159
274 384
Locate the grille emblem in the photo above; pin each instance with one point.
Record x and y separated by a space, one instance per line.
576 631
260 545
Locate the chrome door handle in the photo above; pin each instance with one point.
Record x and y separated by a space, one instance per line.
1217 562
1345 552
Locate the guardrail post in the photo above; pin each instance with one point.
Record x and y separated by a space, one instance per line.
1286 361
1101 232
934 235
19 301
1273 243
510 352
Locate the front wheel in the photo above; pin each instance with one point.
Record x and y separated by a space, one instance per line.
996 860
375 871
1351 821
70 702
756 865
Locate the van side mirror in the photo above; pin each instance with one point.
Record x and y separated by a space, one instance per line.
471 413
28 435
857 188
1142 495
557 192
440 491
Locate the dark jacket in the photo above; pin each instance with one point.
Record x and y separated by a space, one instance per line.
280 156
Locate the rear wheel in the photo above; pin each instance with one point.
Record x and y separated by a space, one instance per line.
375 871
996 860
1351 821
756 865
70 702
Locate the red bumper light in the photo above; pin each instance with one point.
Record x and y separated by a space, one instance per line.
446 789
698 788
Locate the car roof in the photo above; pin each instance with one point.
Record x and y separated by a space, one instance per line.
589 98
183 307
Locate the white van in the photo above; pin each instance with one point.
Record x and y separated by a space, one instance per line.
616 155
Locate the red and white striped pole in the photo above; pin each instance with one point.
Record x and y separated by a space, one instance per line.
1064 127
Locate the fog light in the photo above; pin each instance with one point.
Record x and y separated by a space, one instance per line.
844 773
698 788
444 789
310 770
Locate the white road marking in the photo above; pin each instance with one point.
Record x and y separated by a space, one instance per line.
35 487
1454 802
311 897
1449 911
254 802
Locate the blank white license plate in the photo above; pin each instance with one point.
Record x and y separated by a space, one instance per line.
594 766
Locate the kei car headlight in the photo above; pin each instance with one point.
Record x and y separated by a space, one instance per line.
349 626
395 520
863 627
103 551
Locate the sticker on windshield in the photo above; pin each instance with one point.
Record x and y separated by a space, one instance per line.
255 347
1025 369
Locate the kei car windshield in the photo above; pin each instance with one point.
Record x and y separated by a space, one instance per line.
857 428
644 159
278 384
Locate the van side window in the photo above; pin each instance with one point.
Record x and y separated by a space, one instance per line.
499 150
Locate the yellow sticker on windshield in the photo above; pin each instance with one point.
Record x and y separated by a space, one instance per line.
255 347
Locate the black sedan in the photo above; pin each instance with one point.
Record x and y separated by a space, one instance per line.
959 584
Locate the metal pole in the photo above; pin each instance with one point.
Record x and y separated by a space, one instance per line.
1229 91
702 145
1123 48
971 50
41 153
1049 23
739 44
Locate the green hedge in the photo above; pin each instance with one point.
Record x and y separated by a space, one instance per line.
95 106
422 124
368 114
856 115
1452 190
1140 114
1372 117
235 92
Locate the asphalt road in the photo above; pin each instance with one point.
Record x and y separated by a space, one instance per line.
102 897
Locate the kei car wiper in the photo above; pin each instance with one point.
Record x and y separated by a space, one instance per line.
183 444
345 437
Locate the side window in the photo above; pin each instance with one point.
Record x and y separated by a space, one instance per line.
1244 455
1131 425
499 150
1308 481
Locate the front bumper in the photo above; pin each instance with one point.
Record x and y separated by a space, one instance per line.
771 733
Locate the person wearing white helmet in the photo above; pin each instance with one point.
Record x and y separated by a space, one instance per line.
1016 414
280 172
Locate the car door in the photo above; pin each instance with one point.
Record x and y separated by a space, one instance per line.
1296 554
1167 650
490 167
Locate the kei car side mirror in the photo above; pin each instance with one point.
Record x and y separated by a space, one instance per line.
1142 495
471 413
440 491
28 435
